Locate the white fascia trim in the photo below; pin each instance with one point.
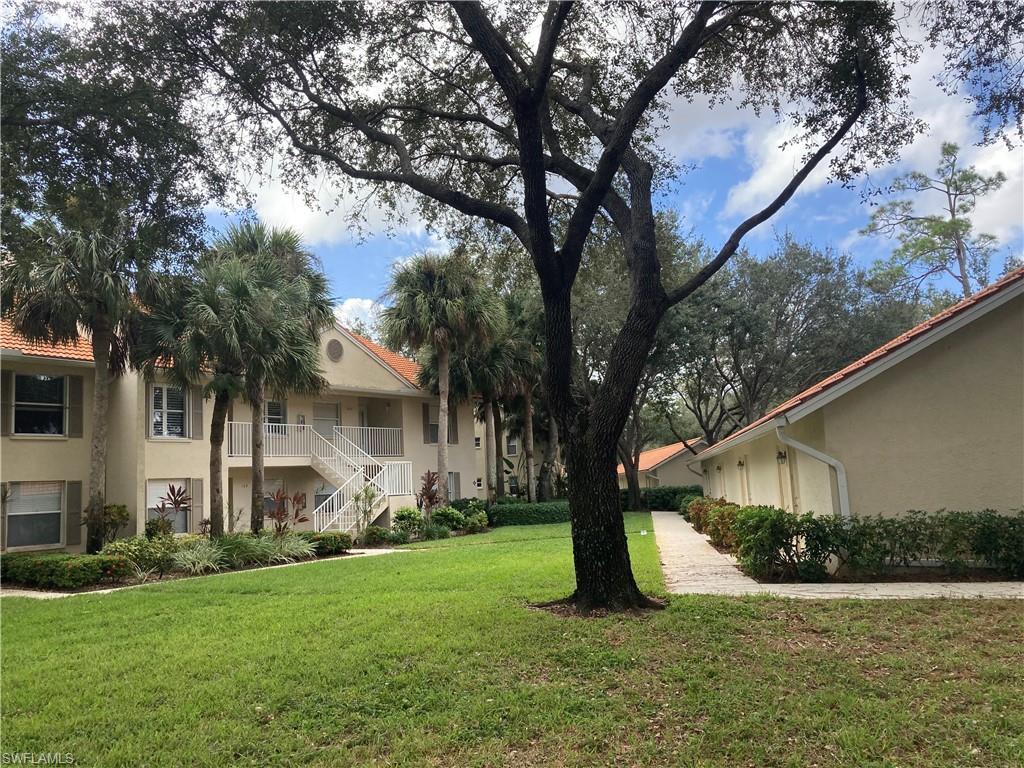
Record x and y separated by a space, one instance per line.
912 348
398 377
822 399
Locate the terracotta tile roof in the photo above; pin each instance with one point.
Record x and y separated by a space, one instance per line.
11 339
403 366
656 456
1014 277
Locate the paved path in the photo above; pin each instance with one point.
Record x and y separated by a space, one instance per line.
692 566
41 595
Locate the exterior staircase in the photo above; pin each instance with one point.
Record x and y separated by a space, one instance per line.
363 483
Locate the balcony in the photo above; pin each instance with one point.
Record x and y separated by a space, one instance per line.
380 442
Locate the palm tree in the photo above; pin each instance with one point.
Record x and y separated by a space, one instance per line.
291 307
80 282
437 303
195 329
523 341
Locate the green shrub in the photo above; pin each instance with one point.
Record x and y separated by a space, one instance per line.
462 504
698 509
538 513
408 520
476 522
668 496
766 543
290 547
374 536
330 542
159 526
719 526
684 503
243 549
435 531
64 571
396 538
146 555
449 517
204 557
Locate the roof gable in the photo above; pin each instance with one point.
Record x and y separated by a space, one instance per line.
893 351
657 456
402 367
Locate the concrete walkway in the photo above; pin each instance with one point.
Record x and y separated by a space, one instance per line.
693 567
39 594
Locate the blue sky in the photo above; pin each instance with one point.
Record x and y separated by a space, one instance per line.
738 167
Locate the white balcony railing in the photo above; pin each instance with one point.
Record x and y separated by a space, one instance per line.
278 439
398 478
376 441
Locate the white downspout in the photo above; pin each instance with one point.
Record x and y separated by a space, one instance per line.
836 464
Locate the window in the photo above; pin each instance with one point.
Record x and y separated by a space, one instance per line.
322 494
39 404
512 446
271 485
454 489
168 412
273 412
35 514
476 442
513 485
433 420
155 490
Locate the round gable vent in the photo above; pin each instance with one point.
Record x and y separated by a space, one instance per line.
335 350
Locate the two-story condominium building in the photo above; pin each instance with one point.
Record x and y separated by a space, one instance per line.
373 426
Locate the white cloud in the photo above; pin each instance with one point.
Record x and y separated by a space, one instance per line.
333 216
352 310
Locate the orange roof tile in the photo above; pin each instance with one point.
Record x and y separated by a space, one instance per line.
1012 278
655 456
403 366
11 339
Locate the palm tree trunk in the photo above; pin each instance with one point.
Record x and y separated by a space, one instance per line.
256 397
531 488
443 362
499 453
221 402
546 479
101 335
489 457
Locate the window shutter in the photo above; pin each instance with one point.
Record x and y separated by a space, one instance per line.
453 426
149 410
195 513
426 423
197 413
75 409
73 513
6 401
455 492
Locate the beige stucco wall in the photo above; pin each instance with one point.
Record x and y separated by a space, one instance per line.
676 471
31 458
800 483
942 429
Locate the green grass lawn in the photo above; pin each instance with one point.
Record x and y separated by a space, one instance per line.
432 657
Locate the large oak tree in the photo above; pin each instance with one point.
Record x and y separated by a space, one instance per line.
535 119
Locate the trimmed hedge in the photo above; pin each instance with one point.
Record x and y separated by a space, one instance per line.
662 497
538 513
330 542
63 571
776 545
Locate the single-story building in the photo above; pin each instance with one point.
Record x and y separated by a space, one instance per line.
668 465
934 419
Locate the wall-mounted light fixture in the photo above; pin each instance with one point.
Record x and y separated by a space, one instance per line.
740 464
781 457
718 468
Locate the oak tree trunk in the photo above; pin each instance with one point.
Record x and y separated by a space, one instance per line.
221 401
101 336
531 486
256 398
443 361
